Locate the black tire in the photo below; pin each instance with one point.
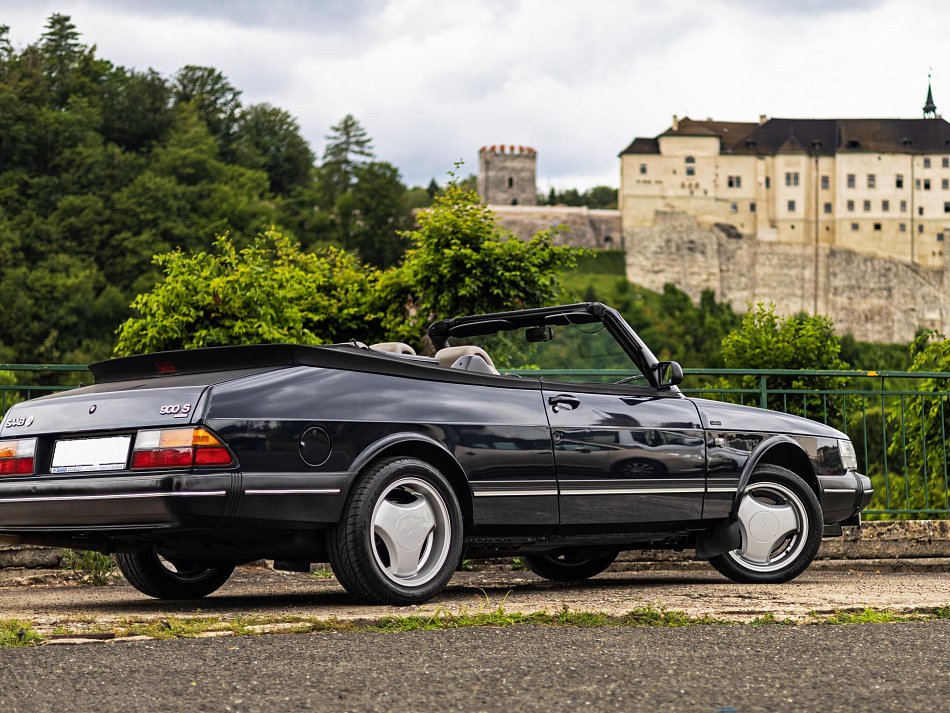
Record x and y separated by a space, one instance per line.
568 566
181 579
400 539
774 557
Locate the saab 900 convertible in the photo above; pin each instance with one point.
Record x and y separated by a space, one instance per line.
393 466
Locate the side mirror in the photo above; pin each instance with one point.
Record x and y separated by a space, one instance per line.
539 334
668 373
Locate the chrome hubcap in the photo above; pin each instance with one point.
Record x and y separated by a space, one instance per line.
773 523
411 532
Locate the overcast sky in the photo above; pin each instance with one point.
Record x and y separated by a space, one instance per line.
433 81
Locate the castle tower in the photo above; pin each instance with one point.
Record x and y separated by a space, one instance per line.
507 175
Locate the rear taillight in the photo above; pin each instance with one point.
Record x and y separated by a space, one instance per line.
16 456
179 448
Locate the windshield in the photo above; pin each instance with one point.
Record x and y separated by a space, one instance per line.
573 352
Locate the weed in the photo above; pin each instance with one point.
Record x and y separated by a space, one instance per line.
93 568
322 573
518 565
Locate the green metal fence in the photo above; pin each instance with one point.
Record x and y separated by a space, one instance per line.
20 382
897 420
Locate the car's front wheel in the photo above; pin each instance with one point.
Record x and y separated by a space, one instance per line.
171 579
781 524
569 566
400 539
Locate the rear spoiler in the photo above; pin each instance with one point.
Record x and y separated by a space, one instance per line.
196 361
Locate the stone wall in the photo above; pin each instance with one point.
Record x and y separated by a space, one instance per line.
585 227
875 299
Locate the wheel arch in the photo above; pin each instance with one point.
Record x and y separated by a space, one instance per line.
416 445
782 451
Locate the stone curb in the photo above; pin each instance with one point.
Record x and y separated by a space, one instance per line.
879 540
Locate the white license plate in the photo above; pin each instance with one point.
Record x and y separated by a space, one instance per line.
88 454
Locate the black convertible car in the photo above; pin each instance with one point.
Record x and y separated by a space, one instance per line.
394 466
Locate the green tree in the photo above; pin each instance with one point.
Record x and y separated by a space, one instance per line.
348 148
270 291
216 100
269 138
461 261
918 427
804 342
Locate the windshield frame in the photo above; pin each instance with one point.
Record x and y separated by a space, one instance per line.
578 313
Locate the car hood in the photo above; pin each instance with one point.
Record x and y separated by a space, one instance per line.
732 417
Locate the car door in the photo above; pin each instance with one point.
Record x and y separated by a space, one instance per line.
625 456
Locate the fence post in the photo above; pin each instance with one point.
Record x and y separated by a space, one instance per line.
763 392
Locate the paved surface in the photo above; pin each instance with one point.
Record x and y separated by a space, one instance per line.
708 669
697 590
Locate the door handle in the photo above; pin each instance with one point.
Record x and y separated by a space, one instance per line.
566 400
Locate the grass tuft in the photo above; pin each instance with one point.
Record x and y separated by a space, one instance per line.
15 633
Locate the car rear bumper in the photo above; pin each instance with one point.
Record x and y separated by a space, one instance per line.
114 502
108 503
845 495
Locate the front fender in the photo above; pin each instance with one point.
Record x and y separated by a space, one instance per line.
754 458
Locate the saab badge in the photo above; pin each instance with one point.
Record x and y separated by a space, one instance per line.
17 421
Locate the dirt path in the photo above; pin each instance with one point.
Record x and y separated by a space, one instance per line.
697 590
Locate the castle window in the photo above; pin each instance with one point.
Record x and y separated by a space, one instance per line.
899 180
825 183
903 206
917 184
920 227
752 207
791 206
852 179
940 235
946 207
643 168
872 181
926 184
827 207
733 207
608 241
851 206
514 201
902 228
867 206
855 227
885 206
791 179
511 182
768 182
690 165
877 227
926 163
945 183
920 210
734 181
945 163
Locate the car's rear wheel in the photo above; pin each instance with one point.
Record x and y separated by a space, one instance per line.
568 566
162 578
781 524
400 538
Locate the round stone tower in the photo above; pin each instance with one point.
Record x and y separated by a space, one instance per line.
507 175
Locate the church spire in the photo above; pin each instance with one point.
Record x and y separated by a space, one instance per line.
930 109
